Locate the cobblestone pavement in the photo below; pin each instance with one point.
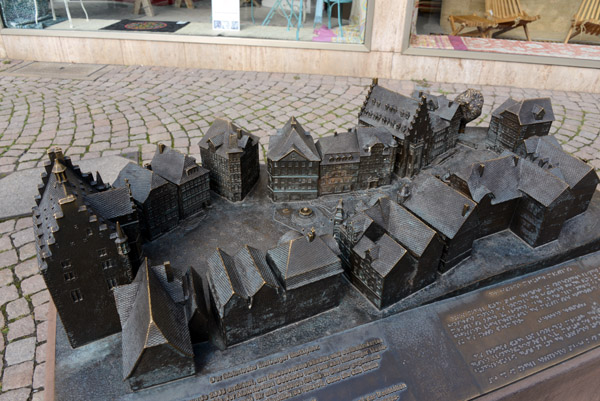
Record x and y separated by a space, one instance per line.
131 108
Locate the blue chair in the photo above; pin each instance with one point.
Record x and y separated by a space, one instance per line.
330 4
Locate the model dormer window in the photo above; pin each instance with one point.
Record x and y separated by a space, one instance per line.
69 276
107 264
102 252
66 263
538 112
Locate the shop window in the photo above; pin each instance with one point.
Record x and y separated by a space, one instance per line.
540 29
233 18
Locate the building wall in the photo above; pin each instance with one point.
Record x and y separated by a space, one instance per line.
385 58
82 269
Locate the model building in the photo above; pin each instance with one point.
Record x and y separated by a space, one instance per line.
310 272
81 253
245 295
88 238
340 163
361 158
155 197
424 128
516 120
117 206
156 341
192 181
293 164
546 152
231 156
456 222
391 253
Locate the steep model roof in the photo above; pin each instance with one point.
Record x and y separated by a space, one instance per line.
401 225
528 111
385 253
174 166
303 260
428 194
141 180
75 186
386 107
498 177
292 137
345 144
547 150
149 317
242 275
112 203
370 136
226 138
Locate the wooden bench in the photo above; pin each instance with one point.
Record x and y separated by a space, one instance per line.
501 15
586 20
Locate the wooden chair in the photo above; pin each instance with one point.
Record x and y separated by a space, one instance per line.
508 15
586 20
501 15
483 26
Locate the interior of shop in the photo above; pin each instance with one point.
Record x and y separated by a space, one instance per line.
558 28
273 19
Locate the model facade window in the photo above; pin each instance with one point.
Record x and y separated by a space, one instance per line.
156 341
74 272
515 121
192 181
231 155
293 164
155 197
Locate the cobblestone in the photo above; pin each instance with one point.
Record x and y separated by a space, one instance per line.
20 351
18 376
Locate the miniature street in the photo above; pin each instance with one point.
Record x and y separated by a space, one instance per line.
127 110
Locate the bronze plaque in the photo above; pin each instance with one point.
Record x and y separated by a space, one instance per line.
513 330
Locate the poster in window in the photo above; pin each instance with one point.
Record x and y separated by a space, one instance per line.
226 15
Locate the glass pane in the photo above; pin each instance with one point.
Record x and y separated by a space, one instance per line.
303 20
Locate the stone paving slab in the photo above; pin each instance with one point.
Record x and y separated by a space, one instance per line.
128 109
56 70
17 190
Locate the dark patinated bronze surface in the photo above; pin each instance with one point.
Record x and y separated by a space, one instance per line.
452 350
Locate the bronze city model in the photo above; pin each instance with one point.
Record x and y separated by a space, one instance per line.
89 234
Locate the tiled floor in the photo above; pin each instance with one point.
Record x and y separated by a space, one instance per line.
132 108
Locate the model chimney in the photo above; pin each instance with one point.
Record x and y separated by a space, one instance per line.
233 140
481 169
161 148
169 271
465 209
311 235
